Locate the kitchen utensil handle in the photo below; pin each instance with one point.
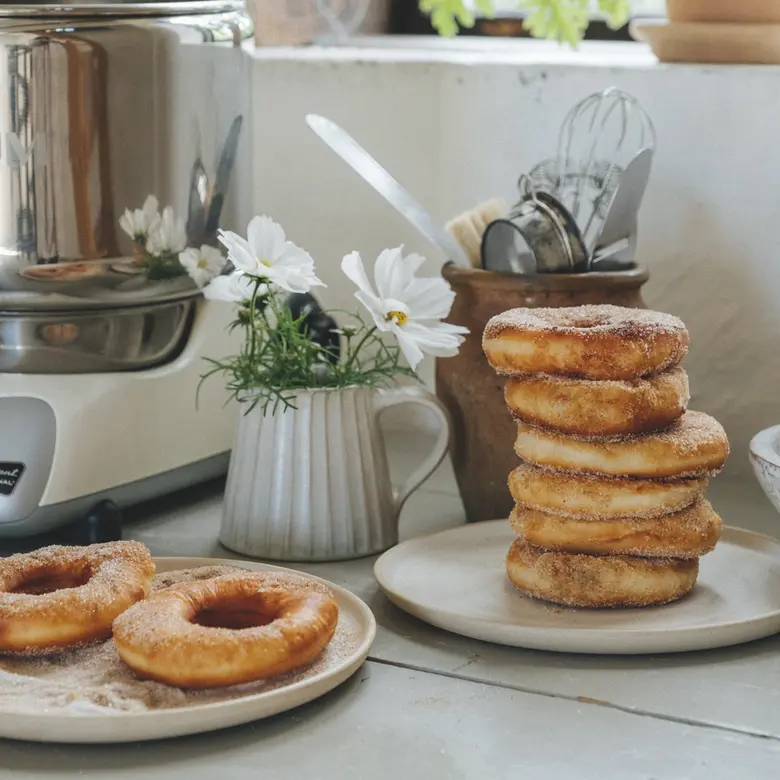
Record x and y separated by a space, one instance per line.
417 395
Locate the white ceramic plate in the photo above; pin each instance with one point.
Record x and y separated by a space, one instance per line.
456 580
159 724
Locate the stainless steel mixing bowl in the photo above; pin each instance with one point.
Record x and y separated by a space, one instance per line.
101 105
94 341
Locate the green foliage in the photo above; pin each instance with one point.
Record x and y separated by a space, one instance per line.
160 267
278 358
564 21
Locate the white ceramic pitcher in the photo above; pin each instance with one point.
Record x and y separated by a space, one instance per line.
313 483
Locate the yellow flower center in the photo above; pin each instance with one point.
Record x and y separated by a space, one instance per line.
202 262
398 317
264 262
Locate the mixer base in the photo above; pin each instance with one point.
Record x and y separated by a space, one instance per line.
100 514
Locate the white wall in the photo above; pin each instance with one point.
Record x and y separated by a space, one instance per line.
456 124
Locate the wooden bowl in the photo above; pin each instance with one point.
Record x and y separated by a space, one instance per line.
737 44
724 11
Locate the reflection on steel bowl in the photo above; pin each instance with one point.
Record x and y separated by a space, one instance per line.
63 272
80 342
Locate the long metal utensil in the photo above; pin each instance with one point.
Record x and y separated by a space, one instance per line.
372 172
621 219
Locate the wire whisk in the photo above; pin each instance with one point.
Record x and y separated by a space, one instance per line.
600 135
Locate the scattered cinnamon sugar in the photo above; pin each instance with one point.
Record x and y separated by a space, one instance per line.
94 680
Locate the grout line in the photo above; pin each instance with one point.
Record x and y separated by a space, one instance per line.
581 700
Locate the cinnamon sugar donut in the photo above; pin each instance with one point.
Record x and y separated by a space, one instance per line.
597 581
601 497
593 342
689 533
583 407
693 446
227 630
64 596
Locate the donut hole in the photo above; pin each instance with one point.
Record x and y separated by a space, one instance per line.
41 581
236 613
590 322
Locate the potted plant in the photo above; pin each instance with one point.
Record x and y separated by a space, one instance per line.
308 477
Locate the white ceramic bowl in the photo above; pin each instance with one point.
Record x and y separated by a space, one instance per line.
765 459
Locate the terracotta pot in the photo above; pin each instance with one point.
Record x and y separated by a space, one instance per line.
483 431
724 11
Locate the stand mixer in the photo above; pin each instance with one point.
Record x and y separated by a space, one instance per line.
99 362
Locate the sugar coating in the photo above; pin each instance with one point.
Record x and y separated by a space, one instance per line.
578 495
114 572
689 533
157 622
694 445
599 581
584 320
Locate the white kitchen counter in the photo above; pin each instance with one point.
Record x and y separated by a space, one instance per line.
432 705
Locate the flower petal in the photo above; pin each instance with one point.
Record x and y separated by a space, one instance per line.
408 344
265 238
412 264
374 307
291 255
429 298
390 275
239 251
234 288
352 267
437 341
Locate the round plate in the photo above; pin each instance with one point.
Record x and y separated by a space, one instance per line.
456 580
159 724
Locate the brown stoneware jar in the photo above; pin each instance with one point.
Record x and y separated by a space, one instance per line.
483 430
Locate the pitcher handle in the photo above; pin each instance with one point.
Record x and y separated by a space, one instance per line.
421 397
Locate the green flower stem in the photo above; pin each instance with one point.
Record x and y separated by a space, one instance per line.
351 360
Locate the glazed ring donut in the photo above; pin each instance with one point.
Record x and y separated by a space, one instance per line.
693 446
689 533
578 495
593 342
599 580
582 407
64 596
228 630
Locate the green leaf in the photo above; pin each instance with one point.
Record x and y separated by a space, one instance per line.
446 15
558 20
616 11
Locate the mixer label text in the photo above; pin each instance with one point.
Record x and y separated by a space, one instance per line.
10 474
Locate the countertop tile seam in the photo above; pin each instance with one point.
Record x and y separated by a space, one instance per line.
582 700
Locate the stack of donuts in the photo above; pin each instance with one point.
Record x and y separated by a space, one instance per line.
610 507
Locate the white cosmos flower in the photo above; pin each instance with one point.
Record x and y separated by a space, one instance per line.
233 288
202 264
266 253
139 222
168 236
410 307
